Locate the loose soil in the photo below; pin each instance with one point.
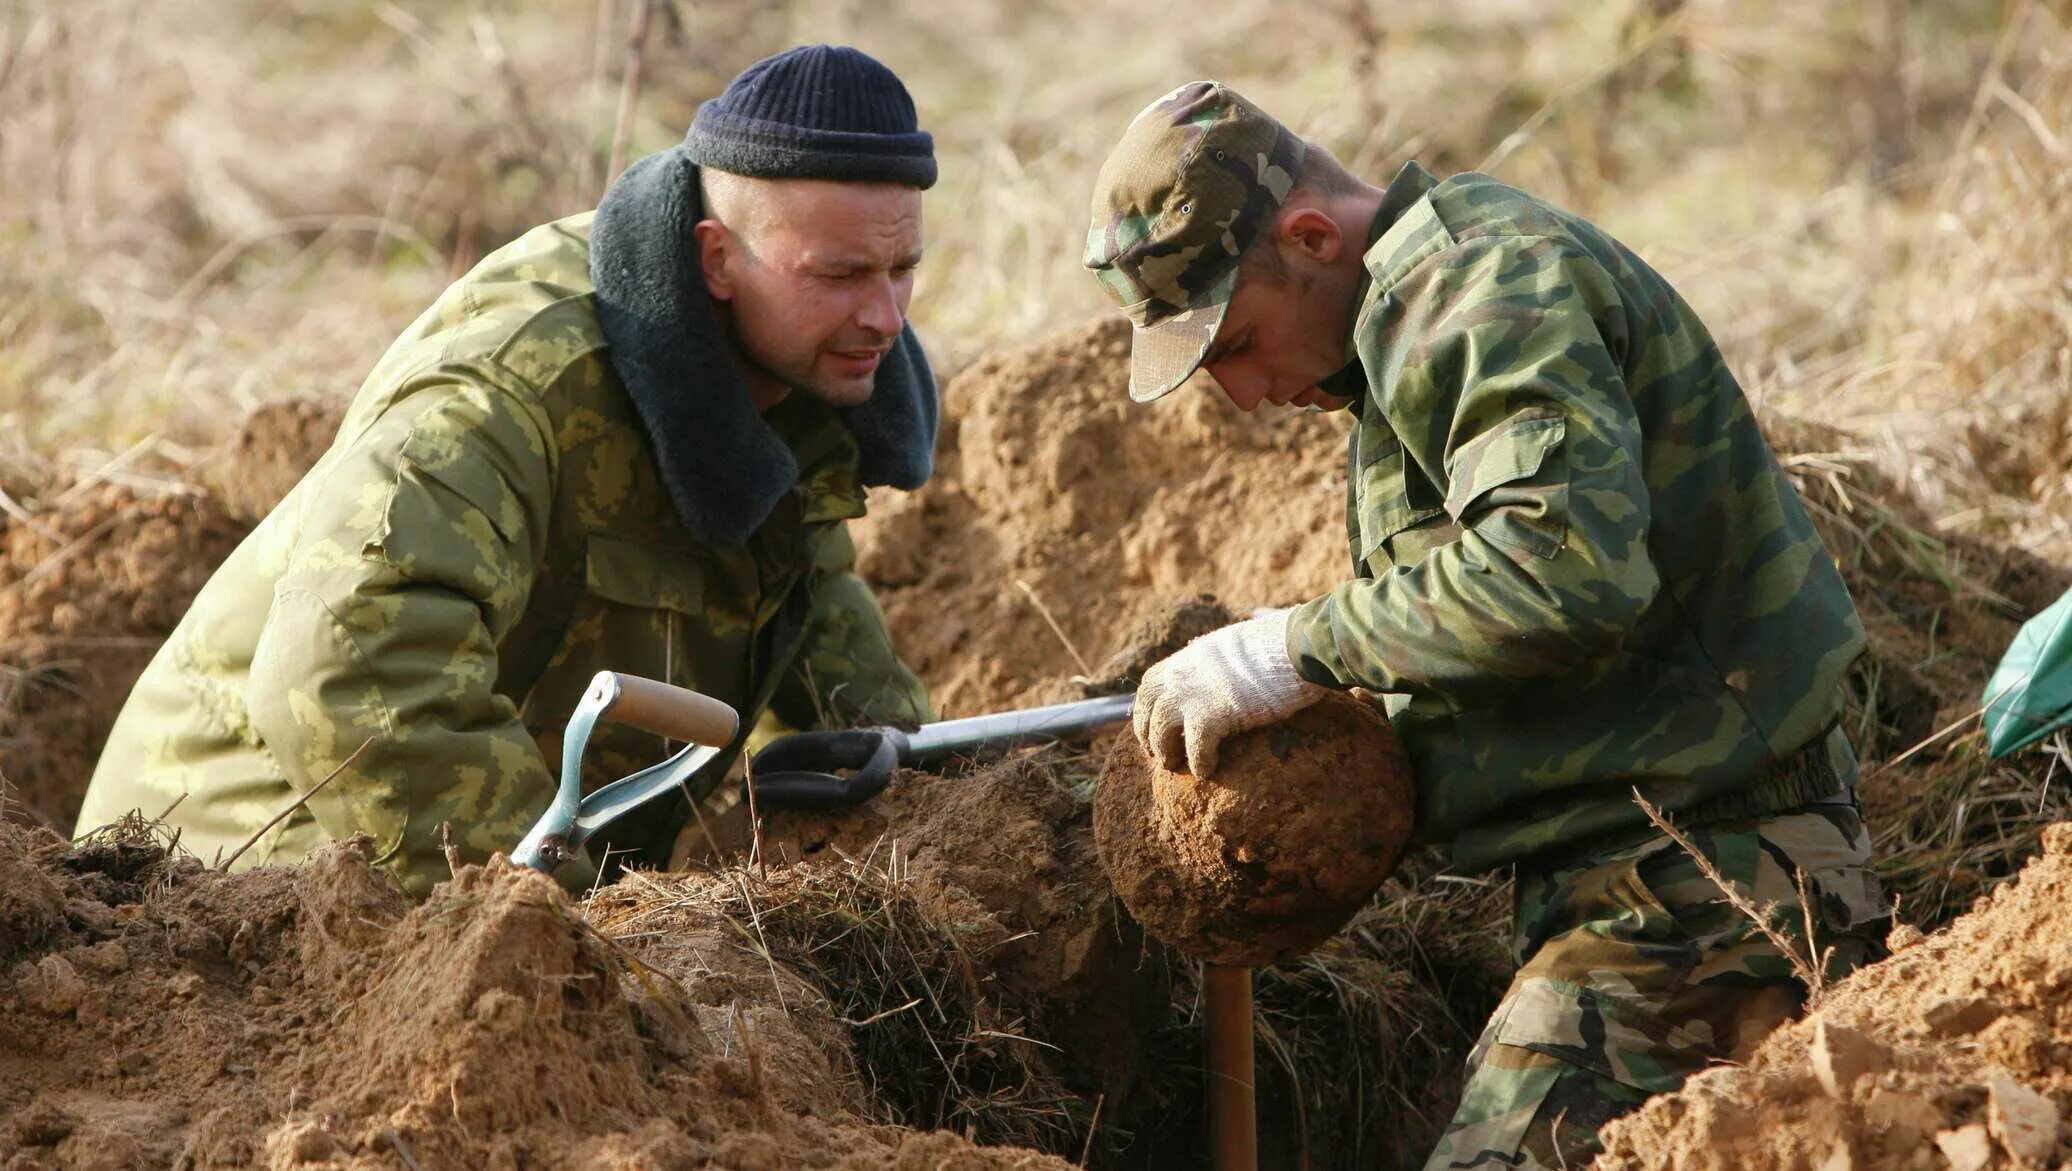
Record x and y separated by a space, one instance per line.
1272 854
1058 500
948 963
87 594
159 1014
1956 1052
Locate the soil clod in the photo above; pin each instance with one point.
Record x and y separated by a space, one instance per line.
1272 854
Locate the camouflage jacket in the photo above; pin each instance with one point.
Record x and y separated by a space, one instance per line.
1580 568
486 532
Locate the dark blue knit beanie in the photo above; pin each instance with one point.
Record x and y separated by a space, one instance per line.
815 112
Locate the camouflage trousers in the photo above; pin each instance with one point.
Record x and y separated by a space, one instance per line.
1634 973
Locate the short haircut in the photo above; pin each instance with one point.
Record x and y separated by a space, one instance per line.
737 201
1322 175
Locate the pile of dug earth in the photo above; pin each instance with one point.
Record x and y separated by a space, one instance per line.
945 977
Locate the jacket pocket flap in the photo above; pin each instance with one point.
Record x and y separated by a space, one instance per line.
1511 485
634 573
1513 452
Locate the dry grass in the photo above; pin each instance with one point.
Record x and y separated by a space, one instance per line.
214 202
936 1048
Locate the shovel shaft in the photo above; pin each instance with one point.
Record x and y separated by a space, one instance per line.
1059 721
1233 1116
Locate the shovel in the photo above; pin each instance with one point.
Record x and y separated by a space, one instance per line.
792 772
704 723
797 771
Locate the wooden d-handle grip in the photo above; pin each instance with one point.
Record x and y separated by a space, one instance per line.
668 710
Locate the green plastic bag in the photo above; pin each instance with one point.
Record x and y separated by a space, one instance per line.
2030 694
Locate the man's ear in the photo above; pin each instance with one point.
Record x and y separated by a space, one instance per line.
717 250
1311 233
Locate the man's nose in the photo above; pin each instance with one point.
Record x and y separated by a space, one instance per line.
879 310
1244 393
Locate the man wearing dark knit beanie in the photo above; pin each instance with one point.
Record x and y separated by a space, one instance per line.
629 440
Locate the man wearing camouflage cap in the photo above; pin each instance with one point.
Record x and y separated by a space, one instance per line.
1579 572
629 440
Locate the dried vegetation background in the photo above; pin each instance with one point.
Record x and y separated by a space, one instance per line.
211 206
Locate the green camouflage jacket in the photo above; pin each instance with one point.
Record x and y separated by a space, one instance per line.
1580 568
486 532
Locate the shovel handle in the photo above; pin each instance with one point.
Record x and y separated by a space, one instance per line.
668 710
1233 1110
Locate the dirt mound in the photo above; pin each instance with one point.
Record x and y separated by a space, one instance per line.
948 959
1271 855
1059 501
1956 1052
88 591
160 1014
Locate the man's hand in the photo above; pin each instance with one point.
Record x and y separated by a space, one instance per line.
1222 683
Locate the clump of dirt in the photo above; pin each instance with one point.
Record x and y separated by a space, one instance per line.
1054 493
155 1013
1272 854
88 591
1154 638
1955 1052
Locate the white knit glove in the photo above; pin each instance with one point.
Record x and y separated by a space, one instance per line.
1223 683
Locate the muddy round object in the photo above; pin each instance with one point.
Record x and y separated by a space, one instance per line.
1271 855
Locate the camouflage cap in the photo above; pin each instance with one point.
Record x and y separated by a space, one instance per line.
1196 176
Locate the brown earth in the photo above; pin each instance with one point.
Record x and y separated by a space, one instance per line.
273 448
87 594
948 958
904 926
158 1014
1272 854
1956 1052
1055 493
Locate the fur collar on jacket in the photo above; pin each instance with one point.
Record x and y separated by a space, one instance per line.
725 467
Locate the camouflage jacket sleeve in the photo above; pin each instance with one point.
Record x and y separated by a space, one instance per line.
847 674
1503 414
384 625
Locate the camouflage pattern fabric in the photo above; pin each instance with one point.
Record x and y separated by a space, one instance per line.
1198 173
1579 567
487 531
1635 973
